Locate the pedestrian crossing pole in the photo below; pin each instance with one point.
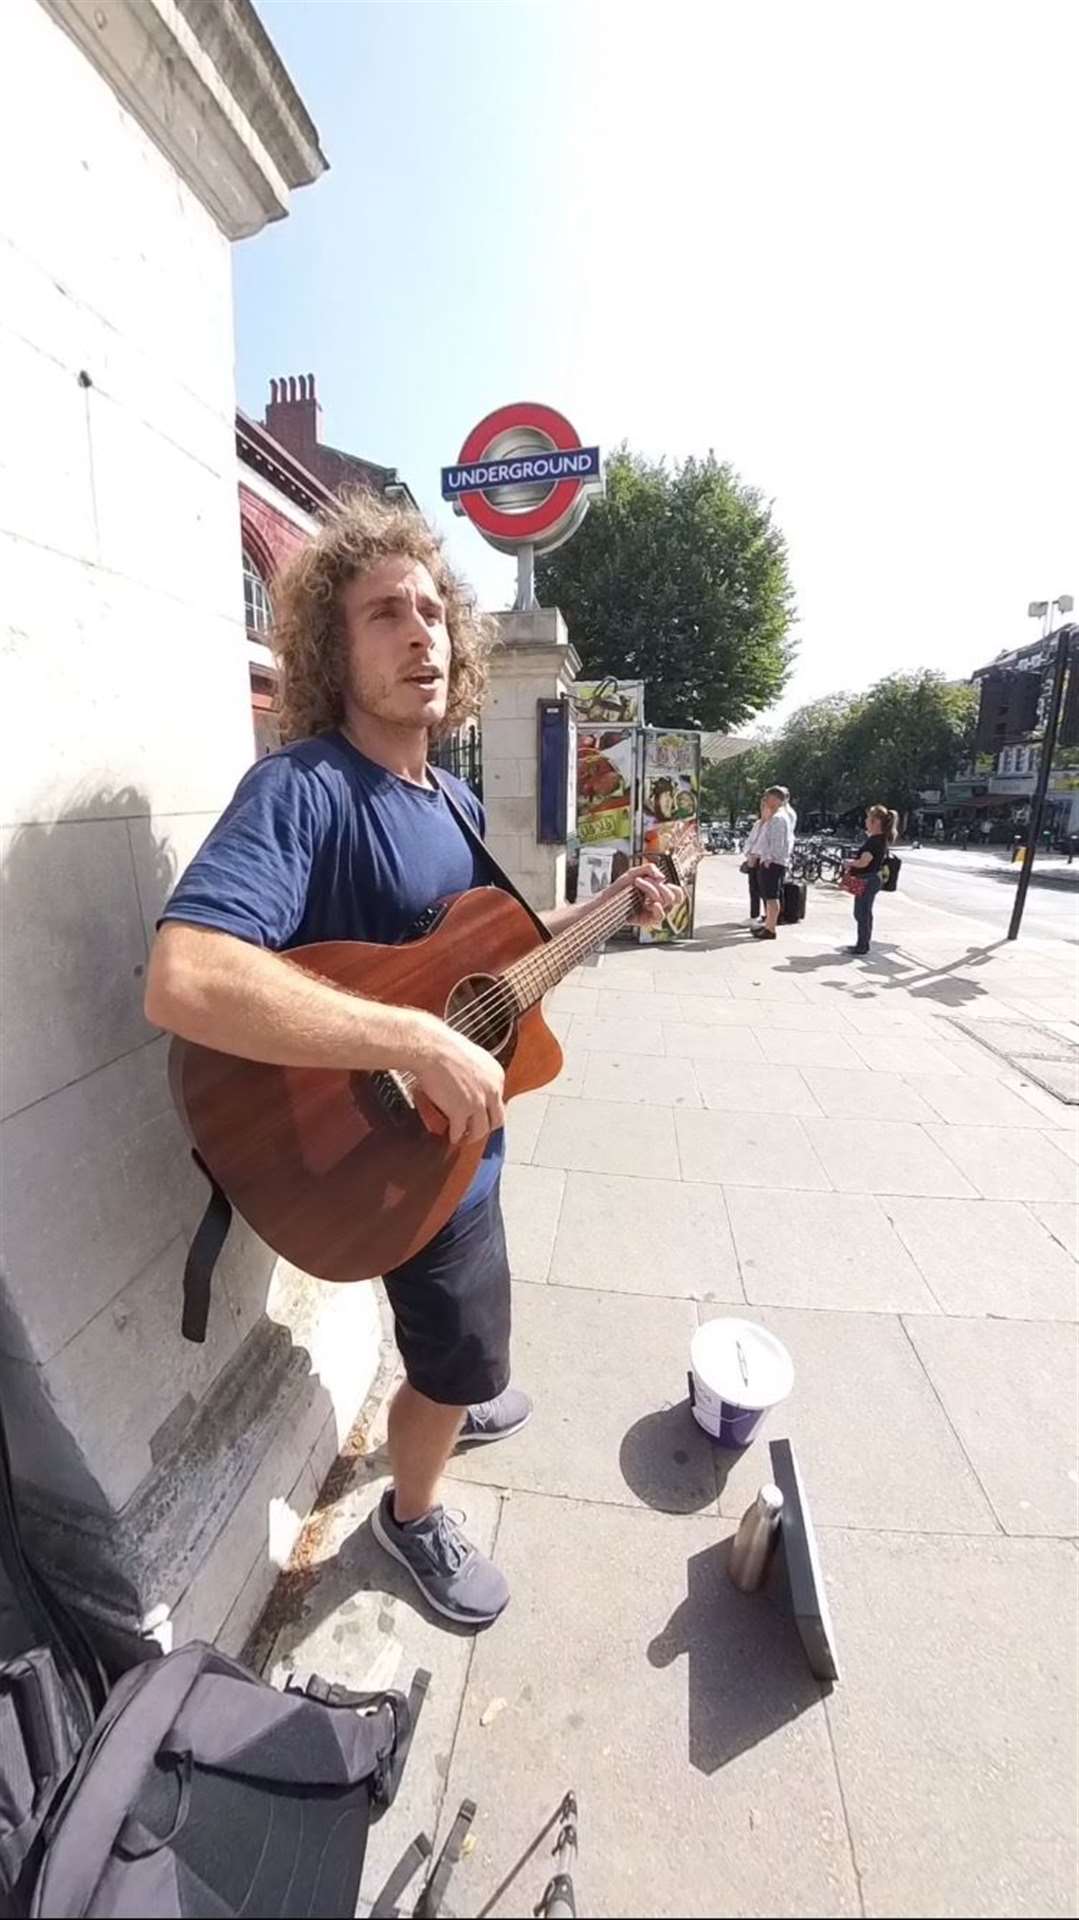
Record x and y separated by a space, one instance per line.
1037 805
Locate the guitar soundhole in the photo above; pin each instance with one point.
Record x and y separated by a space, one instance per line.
484 1009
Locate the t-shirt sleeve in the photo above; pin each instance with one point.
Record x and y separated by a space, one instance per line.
251 875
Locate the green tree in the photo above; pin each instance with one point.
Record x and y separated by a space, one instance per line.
811 756
912 731
732 787
678 577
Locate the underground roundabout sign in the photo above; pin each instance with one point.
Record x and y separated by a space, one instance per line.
523 478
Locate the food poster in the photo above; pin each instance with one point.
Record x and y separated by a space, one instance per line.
606 763
670 798
610 703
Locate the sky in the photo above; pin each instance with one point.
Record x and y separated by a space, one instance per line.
836 243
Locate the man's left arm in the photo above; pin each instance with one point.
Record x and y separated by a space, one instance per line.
655 898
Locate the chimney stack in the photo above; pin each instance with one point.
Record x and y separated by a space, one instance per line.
293 415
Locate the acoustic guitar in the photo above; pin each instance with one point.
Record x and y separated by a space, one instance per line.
338 1171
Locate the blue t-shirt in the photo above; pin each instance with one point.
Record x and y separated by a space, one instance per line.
320 843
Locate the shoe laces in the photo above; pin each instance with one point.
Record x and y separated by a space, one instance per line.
446 1542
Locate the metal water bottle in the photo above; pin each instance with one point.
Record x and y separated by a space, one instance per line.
755 1540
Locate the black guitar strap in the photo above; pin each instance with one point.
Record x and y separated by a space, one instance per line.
212 1230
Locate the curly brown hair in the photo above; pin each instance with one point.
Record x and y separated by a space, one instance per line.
308 635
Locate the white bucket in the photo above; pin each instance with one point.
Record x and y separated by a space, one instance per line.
739 1373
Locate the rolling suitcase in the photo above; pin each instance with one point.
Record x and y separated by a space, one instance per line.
793 903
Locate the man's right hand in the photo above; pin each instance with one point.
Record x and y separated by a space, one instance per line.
462 1081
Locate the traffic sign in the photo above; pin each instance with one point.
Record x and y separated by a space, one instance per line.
523 478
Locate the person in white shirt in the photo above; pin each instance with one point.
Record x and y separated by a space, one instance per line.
770 848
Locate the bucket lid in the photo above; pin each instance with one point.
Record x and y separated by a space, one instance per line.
745 1364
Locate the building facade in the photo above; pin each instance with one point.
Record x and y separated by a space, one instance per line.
162 1482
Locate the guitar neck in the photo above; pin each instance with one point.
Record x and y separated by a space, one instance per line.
529 979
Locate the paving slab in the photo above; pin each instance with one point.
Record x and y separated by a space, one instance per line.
902 1053
987 1257
566 999
524 1117
808 1250
897 1156
750 1089
965 1101
531 1204
615 1003
748 1150
1061 1217
955 1721
607 1373
679 1710
1009 1388
779 1015
1067 1139
640 1081
689 1041
875 1447
616 1036
1008 1163
843 1095
667 1238
813 1049
605 1136
347 1611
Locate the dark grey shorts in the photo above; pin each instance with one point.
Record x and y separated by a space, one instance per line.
451 1309
770 880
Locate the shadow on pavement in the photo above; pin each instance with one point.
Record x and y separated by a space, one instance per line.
747 1672
668 1462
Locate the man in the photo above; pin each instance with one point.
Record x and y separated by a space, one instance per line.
772 850
985 829
344 835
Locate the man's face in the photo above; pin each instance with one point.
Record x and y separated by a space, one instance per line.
398 649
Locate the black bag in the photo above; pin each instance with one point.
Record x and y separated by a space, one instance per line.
793 903
198 1789
890 868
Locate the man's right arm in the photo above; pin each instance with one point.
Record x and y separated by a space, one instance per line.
238 998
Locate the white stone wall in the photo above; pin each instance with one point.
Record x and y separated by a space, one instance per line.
125 724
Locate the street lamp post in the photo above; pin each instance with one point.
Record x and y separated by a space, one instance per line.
1038 610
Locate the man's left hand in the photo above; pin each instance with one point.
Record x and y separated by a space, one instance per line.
655 895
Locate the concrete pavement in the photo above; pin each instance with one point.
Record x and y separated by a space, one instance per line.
782 1131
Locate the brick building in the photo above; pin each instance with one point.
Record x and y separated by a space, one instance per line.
288 478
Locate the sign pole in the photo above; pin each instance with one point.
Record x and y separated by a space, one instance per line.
526 579
1037 805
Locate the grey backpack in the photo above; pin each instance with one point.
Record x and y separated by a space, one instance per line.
191 1787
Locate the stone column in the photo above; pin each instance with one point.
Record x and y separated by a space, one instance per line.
534 662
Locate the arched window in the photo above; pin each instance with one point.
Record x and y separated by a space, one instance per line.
257 609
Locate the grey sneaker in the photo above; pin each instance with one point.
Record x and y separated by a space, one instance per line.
454 1577
496 1419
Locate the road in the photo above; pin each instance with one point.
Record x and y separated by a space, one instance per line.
980 885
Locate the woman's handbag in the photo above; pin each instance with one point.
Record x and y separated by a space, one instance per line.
853 883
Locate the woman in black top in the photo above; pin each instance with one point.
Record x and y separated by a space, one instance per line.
880 830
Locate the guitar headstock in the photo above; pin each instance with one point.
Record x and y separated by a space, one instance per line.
682 855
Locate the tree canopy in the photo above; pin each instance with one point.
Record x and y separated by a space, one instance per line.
910 732
678 577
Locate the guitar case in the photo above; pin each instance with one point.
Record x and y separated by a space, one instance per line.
212 1230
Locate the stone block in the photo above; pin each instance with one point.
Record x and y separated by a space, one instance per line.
645 1236
88 656
681 1709
874 1445
685 1040
809 1049
616 1036
900 1158
750 1089
49 500
506 739
748 1150
601 1136
74 955
956 1748
987 1257
112 1145
638 1080
524 1118
1008 1163
1009 1388
794 1253
507 779
509 813
843 1095
615 1426
531 1205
